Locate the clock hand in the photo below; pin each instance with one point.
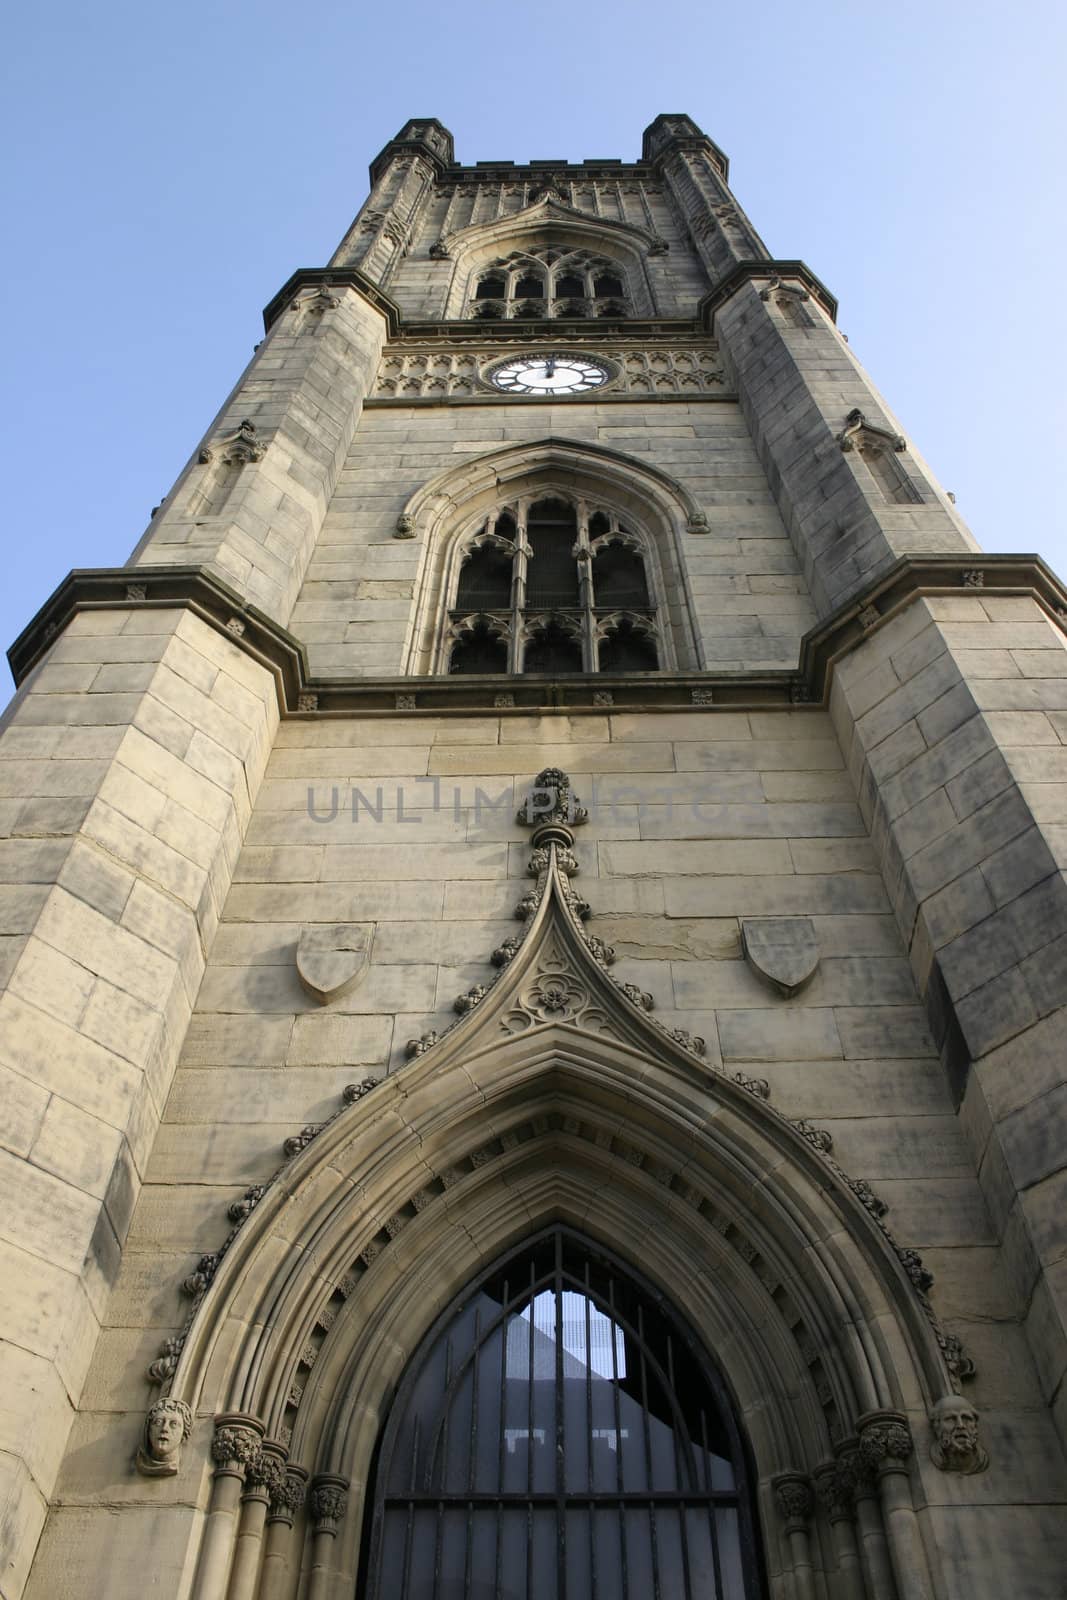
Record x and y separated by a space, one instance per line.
550 367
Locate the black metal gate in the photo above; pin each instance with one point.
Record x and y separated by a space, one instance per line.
559 1437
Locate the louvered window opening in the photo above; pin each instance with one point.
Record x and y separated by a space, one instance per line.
558 1437
549 283
553 589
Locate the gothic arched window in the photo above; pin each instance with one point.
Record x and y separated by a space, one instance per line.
558 586
542 283
559 1435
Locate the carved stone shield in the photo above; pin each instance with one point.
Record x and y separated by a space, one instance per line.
331 958
783 950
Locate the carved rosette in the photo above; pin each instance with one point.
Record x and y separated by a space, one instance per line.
833 1485
329 1500
794 1499
885 1442
288 1495
236 1443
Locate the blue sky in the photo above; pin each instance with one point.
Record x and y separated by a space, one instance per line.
169 166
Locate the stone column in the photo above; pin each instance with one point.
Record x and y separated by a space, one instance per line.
328 1502
862 1484
286 1500
264 1475
835 1495
796 1503
886 1448
234 1449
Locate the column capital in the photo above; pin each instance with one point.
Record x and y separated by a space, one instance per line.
885 1442
329 1501
236 1443
794 1498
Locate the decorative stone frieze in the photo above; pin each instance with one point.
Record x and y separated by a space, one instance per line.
955 1445
436 372
166 1428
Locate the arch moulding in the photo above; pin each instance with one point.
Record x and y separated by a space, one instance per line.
545 224
557 1098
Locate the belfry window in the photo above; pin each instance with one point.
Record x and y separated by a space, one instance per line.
549 283
554 586
558 1435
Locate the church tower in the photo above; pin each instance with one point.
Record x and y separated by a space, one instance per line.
535 954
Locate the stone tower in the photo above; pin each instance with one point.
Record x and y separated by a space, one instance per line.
535 950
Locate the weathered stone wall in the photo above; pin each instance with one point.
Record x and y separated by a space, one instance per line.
697 820
128 766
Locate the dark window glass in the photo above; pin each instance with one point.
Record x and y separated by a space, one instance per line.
552 572
627 650
485 582
557 1435
570 286
488 313
608 285
490 289
530 287
619 577
531 308
479 651
552 649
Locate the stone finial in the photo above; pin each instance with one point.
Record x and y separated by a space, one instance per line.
551 800
794 1498
955 1446
166 1428
329 1500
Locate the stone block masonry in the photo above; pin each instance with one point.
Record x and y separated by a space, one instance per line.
129 763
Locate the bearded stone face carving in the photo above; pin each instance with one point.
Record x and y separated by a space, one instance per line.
166 1428
956 1446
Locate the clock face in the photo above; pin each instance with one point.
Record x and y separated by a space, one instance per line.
551 374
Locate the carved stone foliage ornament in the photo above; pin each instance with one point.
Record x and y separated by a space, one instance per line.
167 1426
235 449
794 1498
859 434
333 959
955 1446
784 951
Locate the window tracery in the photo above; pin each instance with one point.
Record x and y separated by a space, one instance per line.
553 585
549 282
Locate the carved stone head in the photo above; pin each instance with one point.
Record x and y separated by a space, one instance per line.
955 1446
167 1426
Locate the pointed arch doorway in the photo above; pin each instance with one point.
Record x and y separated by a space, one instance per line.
560 1435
